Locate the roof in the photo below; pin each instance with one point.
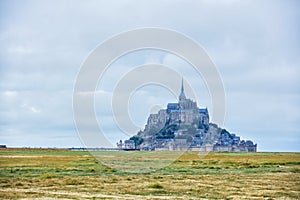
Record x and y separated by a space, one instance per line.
173 104
203 110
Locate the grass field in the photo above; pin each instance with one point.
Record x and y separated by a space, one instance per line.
30 174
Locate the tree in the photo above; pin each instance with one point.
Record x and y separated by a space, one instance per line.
137 140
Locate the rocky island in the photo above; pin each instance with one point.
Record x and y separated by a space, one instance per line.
185 126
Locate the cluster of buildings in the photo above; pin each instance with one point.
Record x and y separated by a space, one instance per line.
185 126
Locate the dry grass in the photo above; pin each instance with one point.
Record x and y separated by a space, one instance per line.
66 174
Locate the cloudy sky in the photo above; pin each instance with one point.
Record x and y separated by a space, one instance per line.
254 44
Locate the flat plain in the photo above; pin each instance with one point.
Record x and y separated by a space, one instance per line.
64 174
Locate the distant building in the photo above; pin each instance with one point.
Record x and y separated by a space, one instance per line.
120 144
129 145
2 146
183 125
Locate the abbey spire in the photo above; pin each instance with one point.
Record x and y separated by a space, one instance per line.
182 95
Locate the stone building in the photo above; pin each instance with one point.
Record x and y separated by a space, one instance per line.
185 126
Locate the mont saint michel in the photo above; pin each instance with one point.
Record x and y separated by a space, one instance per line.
185 126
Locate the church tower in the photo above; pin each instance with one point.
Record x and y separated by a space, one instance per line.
182 95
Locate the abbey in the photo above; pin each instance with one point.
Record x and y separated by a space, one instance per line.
183 113
185 126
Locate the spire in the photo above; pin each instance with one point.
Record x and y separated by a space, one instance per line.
182 95
182 88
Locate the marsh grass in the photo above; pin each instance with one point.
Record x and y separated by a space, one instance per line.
28 173
155 185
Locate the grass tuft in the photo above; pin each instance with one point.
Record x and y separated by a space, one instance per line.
155 186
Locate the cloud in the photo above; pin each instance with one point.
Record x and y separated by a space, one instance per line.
253 43
20 50
97 92
31 108
10 93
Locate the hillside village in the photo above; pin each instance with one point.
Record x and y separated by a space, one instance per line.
185 126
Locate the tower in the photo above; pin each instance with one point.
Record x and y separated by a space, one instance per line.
182 95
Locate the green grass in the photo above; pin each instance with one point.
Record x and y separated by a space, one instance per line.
155 186
38 173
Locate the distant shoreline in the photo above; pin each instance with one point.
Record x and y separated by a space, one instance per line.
115 149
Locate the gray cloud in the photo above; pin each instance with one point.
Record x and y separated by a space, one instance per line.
253 43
